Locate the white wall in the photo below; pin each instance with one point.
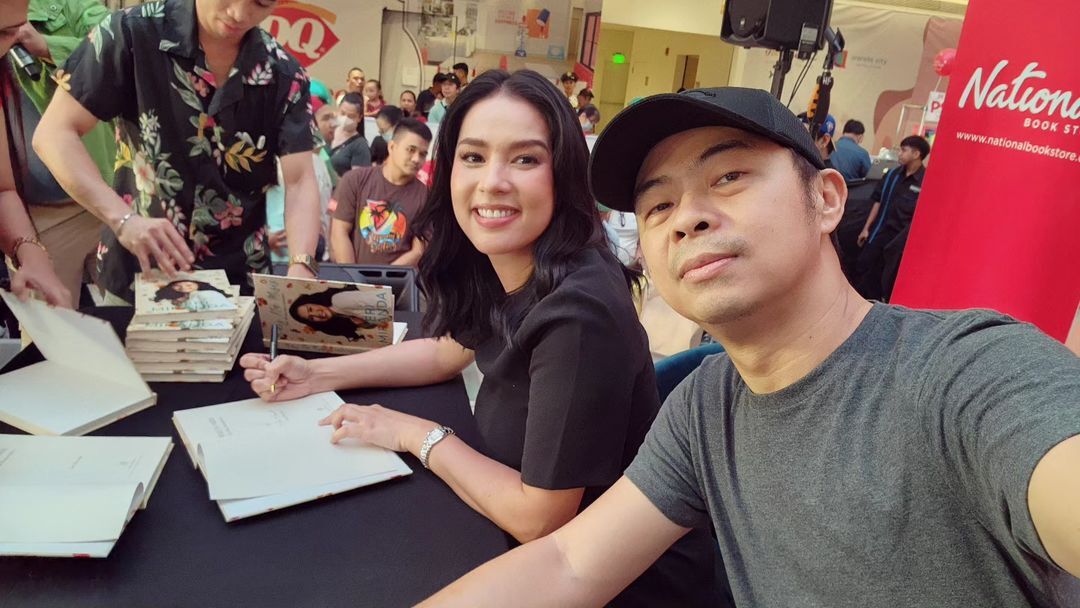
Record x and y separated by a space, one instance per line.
690 16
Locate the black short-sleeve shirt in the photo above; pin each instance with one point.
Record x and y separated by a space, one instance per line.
898 193
570 402
195 151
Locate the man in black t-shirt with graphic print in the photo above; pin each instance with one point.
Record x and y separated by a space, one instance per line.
374 207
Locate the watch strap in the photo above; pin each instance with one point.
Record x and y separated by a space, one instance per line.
436 435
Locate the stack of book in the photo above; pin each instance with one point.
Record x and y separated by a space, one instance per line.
188 328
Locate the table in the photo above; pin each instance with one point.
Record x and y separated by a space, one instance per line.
391 544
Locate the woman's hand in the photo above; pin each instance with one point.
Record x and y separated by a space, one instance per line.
290 376
36 273
379 426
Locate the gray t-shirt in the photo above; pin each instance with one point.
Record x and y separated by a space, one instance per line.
894 474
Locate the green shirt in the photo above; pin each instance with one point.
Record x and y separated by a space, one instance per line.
64 24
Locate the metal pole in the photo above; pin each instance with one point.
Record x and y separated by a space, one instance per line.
780 70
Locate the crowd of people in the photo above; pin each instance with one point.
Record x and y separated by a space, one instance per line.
839 449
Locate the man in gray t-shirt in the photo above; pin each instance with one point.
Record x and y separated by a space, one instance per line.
845 453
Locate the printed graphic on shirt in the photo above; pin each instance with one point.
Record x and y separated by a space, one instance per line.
382 225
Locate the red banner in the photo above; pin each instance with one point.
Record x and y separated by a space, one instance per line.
998 221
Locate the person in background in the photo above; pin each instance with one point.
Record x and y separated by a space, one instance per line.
375 207
589 117
380 152
325 177
27 256
70 232
354 83
568 82
883 237
325 120
386 120
185 149
584 98
846 453
520 279
350 147
850 158
373 99
461 70
451 86
429 96
407 103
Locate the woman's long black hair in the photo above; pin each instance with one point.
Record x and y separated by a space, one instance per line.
338 325
465 297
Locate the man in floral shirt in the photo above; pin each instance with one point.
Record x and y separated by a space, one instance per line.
204 100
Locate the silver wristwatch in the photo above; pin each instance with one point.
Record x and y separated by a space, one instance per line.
436 435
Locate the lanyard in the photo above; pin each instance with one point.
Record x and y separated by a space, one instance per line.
886 194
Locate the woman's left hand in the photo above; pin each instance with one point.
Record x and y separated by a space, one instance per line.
379 426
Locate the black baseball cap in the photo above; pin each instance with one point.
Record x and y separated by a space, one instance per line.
622 147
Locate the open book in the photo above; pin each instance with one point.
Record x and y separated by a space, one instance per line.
258 457
73 496
201 294
85 382
326 316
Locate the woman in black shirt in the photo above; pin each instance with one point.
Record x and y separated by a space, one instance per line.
519 275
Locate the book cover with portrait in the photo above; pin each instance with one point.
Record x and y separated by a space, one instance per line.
198 295
325 316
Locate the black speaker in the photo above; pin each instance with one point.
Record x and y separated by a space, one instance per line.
798 25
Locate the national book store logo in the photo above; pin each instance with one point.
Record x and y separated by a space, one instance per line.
1048 109
304 30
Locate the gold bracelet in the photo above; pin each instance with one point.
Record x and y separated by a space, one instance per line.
23 240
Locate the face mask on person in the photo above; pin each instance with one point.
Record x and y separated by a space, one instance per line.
345 123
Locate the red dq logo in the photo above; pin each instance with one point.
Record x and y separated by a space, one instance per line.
304 30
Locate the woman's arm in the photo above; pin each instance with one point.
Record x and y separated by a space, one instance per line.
490 487
411 363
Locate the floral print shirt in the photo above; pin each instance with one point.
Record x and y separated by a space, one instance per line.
189 149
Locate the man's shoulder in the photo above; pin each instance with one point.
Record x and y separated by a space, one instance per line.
938 340
357 177
284 62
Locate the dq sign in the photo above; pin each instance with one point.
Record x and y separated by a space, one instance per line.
303 29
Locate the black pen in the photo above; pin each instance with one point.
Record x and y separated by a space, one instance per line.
273 351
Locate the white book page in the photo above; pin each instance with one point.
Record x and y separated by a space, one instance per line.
247 507
287 459
48 398
26 460
100 549
399 331
76 341
66 513
214 422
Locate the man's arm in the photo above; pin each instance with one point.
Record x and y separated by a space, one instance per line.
585 563
341 247
301 209
865 234
412 256
1054 503
864 163
82 16
58 142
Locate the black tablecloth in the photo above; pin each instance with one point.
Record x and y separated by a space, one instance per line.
391 544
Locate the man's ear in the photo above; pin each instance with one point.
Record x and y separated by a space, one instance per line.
833 193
